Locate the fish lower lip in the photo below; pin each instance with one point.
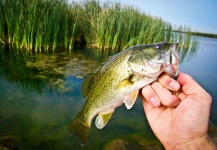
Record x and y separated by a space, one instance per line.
174 76
172 70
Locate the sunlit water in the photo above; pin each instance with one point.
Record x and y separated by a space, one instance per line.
40 95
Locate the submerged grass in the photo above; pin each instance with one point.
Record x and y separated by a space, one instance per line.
48 24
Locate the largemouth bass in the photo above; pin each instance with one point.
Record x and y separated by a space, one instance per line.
119 81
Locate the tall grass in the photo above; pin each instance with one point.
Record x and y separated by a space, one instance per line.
48 24
37 24
112 25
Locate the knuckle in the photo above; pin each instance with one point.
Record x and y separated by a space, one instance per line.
188 76
156 85
209 98
167 102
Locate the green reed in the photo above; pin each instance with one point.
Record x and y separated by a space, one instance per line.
114 26
36 24
48 24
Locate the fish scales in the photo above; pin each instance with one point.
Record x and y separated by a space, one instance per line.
119 80
103 78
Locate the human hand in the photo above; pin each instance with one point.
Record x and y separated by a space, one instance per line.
179 121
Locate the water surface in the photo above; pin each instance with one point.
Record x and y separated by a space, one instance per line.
40 95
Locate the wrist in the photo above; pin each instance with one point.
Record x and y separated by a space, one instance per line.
204 143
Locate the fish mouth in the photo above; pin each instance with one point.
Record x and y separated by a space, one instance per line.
172 70
171 67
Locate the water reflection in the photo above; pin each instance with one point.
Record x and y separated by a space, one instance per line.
189 49
30 71
39 71
188 45
40 94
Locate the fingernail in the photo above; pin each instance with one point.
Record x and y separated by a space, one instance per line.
154 102
174 85
176 103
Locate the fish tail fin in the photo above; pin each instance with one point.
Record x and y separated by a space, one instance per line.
80 130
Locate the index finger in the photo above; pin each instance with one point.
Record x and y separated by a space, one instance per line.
169 82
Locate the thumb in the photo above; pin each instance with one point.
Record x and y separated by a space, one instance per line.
191 88
189 85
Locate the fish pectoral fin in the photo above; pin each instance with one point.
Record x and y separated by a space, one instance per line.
124 83
131 99
103 118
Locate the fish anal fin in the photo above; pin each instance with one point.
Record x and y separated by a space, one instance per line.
85 87
103 118
131 99
80 130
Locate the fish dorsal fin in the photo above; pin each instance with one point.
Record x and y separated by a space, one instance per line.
131 99
85 87
103 118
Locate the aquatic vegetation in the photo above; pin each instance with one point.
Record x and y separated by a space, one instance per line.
33 83
115 26
44 71
48 24
188 44
37 24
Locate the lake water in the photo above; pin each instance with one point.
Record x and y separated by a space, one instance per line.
40 95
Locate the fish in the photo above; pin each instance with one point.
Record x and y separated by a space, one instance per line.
118 82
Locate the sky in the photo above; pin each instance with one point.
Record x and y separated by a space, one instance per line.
200 15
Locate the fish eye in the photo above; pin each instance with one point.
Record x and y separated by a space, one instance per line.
158 47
